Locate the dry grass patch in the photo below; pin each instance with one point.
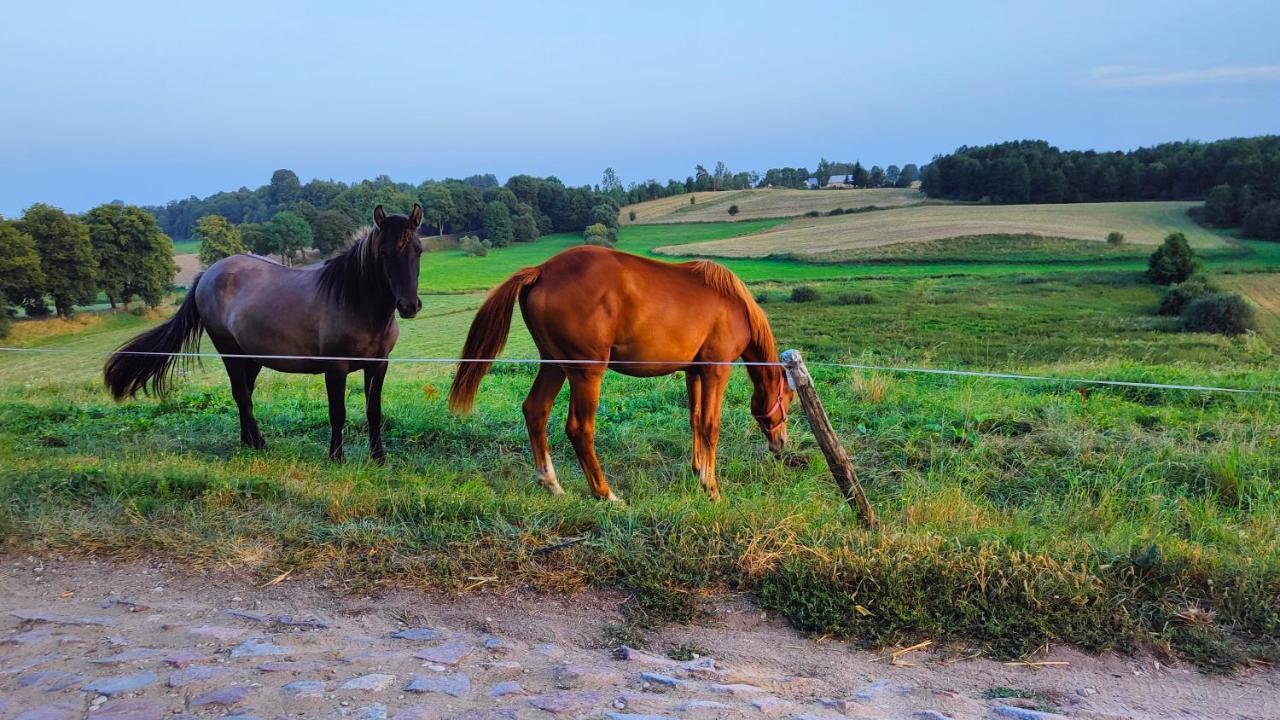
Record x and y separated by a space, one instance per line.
827 237
762 203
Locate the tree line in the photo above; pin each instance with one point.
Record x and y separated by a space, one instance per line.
286 216
1238 177
48 255
722 178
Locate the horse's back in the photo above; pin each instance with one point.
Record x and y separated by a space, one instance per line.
257 306
591 300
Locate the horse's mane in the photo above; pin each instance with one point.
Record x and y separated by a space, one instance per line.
723 281
342 278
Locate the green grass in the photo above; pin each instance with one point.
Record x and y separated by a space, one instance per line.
448 271
1006 249
453 270
1013 513
186 247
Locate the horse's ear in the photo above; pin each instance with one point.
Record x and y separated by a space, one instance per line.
378 216
415 217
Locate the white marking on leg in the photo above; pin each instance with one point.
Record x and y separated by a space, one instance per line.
706 476
547 476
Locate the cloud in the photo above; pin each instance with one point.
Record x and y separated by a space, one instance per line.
1123 76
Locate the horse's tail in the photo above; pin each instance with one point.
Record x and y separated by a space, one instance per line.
487 337
145 363
723 280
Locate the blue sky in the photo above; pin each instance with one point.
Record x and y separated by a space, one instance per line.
149 101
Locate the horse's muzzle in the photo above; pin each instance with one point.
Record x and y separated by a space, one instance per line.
409 309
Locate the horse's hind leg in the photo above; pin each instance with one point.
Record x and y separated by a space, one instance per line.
251 370
584 398
242 374
537 411
715 378
335 384
374 374
693 383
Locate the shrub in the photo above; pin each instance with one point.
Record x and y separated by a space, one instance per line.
837 211
1263 221
1220 207
474 246
1179 296
1224 313
762 298
632 215
600 234
804 293
36 308
856 298
1173 261
1115 237
733 209
692 199
812 213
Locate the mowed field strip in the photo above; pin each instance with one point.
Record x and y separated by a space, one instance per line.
1264 290
761 203
825 238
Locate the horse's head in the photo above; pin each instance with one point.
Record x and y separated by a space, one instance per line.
399 250
769 403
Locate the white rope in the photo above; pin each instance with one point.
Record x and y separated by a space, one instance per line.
744 363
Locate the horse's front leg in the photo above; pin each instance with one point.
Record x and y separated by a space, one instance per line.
715 378
335 383
584 399
374 374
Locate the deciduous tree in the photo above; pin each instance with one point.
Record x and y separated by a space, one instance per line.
332 230
495 224
66 255
21 280
289 233
134 257
1173 261
218 239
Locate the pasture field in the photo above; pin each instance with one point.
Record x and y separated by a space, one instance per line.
890 233
1013 513
189 246
760 203
451 270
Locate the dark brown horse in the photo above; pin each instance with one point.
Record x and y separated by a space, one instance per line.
639 317
297 317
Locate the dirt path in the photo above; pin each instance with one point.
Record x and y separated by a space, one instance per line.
113 641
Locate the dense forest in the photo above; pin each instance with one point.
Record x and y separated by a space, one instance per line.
1239 177
532 206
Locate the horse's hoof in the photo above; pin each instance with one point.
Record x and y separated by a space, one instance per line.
615 499
714 496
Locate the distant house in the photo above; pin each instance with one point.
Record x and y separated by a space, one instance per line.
837 181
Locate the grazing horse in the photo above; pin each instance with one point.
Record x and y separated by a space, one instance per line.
292 320
607 309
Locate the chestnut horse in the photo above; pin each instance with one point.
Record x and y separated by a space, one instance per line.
607 309
293 320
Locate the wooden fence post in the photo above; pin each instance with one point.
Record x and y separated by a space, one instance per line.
837 458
